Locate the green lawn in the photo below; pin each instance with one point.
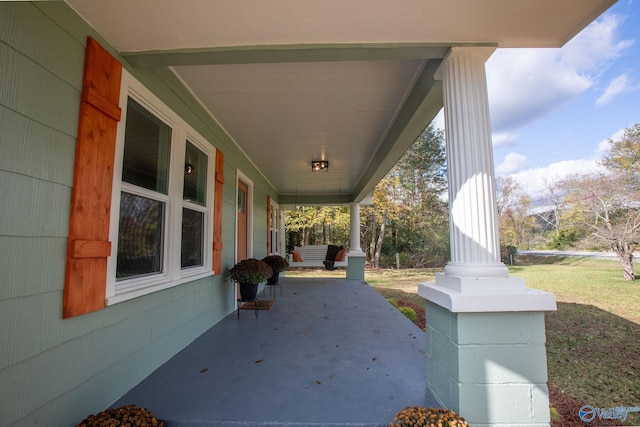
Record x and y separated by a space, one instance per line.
593 340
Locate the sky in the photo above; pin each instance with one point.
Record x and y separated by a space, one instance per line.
553 111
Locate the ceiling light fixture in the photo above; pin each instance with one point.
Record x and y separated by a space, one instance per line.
320 166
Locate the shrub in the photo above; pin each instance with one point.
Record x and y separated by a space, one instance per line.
250 270
409 312
276 262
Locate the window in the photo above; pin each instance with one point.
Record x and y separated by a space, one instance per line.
162 203
143 200
194 207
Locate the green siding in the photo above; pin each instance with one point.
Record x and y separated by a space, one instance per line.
55 372
34 92
33 149
33 207
46 273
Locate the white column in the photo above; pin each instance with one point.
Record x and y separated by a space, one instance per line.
355 257
475 245
475 296
354 234
475 265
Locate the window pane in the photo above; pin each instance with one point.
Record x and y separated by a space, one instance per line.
242 197
140 237
192 238
146 149
195 175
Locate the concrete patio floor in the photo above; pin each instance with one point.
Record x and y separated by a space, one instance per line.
329 352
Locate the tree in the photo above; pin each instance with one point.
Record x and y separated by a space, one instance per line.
374 218
609 206
408 215
624 154
516 226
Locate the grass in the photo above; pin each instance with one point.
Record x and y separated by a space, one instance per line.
593 340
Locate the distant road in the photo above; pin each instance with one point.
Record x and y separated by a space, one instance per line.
609 255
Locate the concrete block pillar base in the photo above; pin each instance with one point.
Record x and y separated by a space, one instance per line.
489 367
355 266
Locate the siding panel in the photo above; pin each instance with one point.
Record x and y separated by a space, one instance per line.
19 25
31 266
34 92
30 148
33 207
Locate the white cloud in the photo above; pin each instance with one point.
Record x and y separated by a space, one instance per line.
504 138
526 84
534 180
605 144
618 85
512 163
438 120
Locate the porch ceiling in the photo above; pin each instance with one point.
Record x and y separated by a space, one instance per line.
348 82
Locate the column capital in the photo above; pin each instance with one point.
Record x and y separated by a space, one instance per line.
482 52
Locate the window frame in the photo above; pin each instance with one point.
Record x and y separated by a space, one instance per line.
172 273
275 228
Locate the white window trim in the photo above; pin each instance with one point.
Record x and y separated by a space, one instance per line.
172 274
275 225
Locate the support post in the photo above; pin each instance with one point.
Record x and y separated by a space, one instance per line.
486 357
356 257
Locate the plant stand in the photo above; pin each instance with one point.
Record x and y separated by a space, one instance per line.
241 301
272 282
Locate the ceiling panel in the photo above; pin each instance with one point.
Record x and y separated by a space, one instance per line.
286 115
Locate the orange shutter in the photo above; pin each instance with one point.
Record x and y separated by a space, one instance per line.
88 244
217 213
268 225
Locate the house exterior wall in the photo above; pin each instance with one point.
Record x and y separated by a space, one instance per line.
55 372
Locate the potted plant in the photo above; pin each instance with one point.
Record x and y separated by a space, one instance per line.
249 273
420 416
277 264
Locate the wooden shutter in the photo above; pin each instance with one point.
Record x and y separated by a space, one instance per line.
217 213
88 244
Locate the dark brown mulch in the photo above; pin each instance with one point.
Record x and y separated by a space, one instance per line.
567 406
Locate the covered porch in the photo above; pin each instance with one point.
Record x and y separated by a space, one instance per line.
329 352
228 105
